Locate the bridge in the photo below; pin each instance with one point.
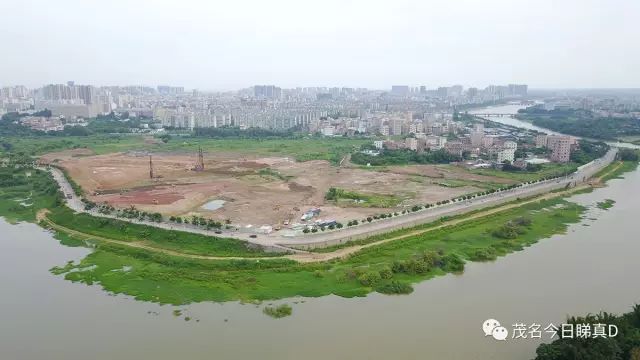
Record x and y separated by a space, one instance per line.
494 115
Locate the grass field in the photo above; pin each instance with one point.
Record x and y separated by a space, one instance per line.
330 149
548 170
183 242
167 279
101 144
302 149
454 183
353 198
616 169
23 192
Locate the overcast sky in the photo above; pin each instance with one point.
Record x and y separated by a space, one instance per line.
216 44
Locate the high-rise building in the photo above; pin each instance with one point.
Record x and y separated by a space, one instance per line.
508 152
86 93
476 138
518 90
396 127
541 140
455 90
269 92
400 90
170 90
560 146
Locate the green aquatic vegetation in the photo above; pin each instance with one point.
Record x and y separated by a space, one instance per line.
606 204
279 311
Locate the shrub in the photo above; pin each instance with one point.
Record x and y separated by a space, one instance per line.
452 263
432 259
397 267
386 273
506 231
278 311
416 266
488 254
369 278
522 221
395 287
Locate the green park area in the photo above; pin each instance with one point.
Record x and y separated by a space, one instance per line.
301 149
546 171
354 198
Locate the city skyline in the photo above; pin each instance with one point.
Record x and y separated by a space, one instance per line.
236 45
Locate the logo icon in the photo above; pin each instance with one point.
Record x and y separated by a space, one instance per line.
492 327
488 326
500 333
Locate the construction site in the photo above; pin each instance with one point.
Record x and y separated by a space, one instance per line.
254 191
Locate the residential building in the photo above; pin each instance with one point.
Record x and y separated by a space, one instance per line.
560 146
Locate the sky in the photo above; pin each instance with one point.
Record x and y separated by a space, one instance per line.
226 45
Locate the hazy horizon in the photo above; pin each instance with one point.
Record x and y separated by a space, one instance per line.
231 45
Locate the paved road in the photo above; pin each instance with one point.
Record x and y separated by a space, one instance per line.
279 242
432 214
75 203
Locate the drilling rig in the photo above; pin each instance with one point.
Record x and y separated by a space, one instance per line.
150 167
200 162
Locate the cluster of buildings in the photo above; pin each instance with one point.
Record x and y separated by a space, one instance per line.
42 123
496 145
329 110
458 95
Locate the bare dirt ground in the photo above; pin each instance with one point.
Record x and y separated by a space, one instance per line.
256 190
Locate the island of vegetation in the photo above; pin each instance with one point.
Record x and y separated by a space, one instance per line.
583 123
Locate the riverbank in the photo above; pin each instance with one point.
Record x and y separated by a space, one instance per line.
168 279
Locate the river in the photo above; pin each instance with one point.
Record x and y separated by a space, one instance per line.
513 109
590 268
